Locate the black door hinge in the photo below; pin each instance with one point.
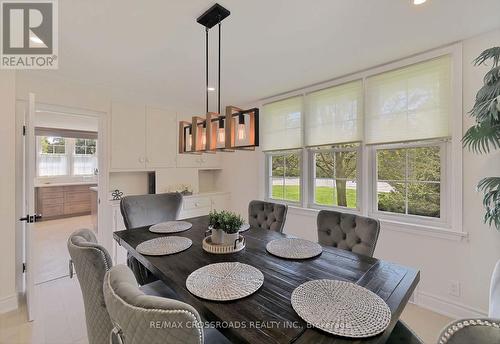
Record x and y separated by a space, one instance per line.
24 268
24 130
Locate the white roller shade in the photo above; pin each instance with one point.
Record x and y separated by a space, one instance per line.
411 103
282 124
335 115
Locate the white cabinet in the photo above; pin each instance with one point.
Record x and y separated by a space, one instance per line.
119 254
205 160
202 204
142 138
220 201
161 138
128 136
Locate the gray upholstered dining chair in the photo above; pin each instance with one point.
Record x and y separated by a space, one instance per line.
146 210
91 261
402 334
477 330
349 232
267 215
138 318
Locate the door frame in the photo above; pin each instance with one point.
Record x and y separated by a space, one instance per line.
104 231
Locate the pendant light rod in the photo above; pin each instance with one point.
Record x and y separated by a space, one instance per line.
218 87
206 66
213 16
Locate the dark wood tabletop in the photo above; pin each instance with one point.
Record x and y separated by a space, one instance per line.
267 315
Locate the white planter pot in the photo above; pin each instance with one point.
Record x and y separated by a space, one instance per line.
217 236
229 239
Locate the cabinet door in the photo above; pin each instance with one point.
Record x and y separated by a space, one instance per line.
119 253
211 160
161 138
188 160
220 202
128 136
195 206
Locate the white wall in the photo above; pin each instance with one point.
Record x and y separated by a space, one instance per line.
8 295
439 260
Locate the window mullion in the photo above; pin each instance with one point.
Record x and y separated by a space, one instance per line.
406 181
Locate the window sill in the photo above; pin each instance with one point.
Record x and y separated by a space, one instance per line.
423 230
398 226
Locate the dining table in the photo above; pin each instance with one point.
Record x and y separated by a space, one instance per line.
267 315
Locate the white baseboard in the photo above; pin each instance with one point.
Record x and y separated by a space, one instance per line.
8 303
452 309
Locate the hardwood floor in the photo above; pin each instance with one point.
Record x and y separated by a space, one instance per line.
51 253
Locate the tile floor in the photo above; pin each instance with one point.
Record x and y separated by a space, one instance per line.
51 255
60 318
59 312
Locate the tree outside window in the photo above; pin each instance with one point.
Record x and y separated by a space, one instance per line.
409 181
335 182
285 177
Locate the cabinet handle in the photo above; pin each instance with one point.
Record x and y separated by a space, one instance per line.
141 159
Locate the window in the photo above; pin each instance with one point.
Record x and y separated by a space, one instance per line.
383 143
409 180
282 125
285 176
85 159
335 176
64 156
52 159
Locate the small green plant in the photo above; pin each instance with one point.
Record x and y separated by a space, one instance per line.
227 221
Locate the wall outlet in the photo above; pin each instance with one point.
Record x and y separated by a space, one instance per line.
454 288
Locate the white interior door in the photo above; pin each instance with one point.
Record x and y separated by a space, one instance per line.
31 217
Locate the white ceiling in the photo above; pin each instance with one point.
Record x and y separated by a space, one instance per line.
155 47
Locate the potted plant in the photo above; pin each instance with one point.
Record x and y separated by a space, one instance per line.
484 135
225 227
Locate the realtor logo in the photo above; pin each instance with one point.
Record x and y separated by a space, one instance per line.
29 35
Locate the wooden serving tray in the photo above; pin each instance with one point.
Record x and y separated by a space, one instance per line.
210 247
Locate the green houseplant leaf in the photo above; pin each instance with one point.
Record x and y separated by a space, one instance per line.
484 135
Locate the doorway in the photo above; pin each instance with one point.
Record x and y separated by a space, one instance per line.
60 182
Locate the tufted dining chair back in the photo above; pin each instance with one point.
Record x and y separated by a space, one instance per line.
349 232
146 210
267 215
139 318
91 262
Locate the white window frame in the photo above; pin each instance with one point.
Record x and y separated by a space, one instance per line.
445 180
67 150
268 175
452 227
312 178
74 154
69 153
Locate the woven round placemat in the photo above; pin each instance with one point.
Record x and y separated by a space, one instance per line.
244 227
224 281
164 245
170 227
294 248
341 308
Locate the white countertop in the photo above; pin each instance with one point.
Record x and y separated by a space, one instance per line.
44 185
202 194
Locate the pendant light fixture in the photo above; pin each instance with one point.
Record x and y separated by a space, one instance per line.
237 129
